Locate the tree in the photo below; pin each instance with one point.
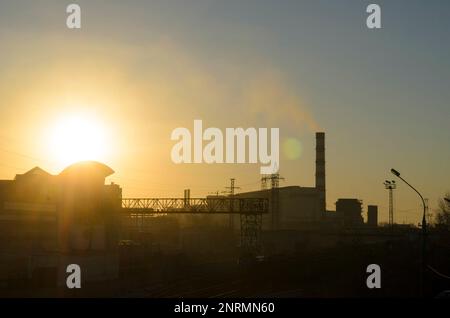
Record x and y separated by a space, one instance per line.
443 212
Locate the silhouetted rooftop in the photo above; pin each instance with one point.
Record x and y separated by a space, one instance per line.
88 167
36 171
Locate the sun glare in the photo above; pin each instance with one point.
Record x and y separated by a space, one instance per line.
75 138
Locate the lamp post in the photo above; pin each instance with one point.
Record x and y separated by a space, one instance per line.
424 229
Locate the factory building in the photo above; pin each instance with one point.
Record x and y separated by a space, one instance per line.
372 215
349 212
50 221
294 206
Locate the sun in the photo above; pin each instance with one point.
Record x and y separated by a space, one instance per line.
76 138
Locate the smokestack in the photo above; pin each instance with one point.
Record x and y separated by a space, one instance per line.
320 171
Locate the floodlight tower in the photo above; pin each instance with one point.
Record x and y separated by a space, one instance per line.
391 186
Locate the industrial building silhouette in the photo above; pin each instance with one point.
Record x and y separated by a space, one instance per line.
50 221
298 207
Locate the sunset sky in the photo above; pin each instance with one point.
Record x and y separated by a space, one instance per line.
137 71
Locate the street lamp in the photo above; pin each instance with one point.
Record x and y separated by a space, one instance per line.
424 227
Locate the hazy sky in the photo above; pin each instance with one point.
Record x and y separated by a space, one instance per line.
146 67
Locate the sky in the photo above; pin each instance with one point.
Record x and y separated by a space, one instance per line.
143 68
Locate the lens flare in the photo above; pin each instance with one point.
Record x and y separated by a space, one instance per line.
292 148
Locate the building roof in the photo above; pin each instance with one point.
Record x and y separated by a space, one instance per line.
88 167
36 171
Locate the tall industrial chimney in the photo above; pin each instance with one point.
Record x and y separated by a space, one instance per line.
320 171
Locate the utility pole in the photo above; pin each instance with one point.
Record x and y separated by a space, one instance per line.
274 195
187 197
274 180
232 186
231 192
427 211
391 186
